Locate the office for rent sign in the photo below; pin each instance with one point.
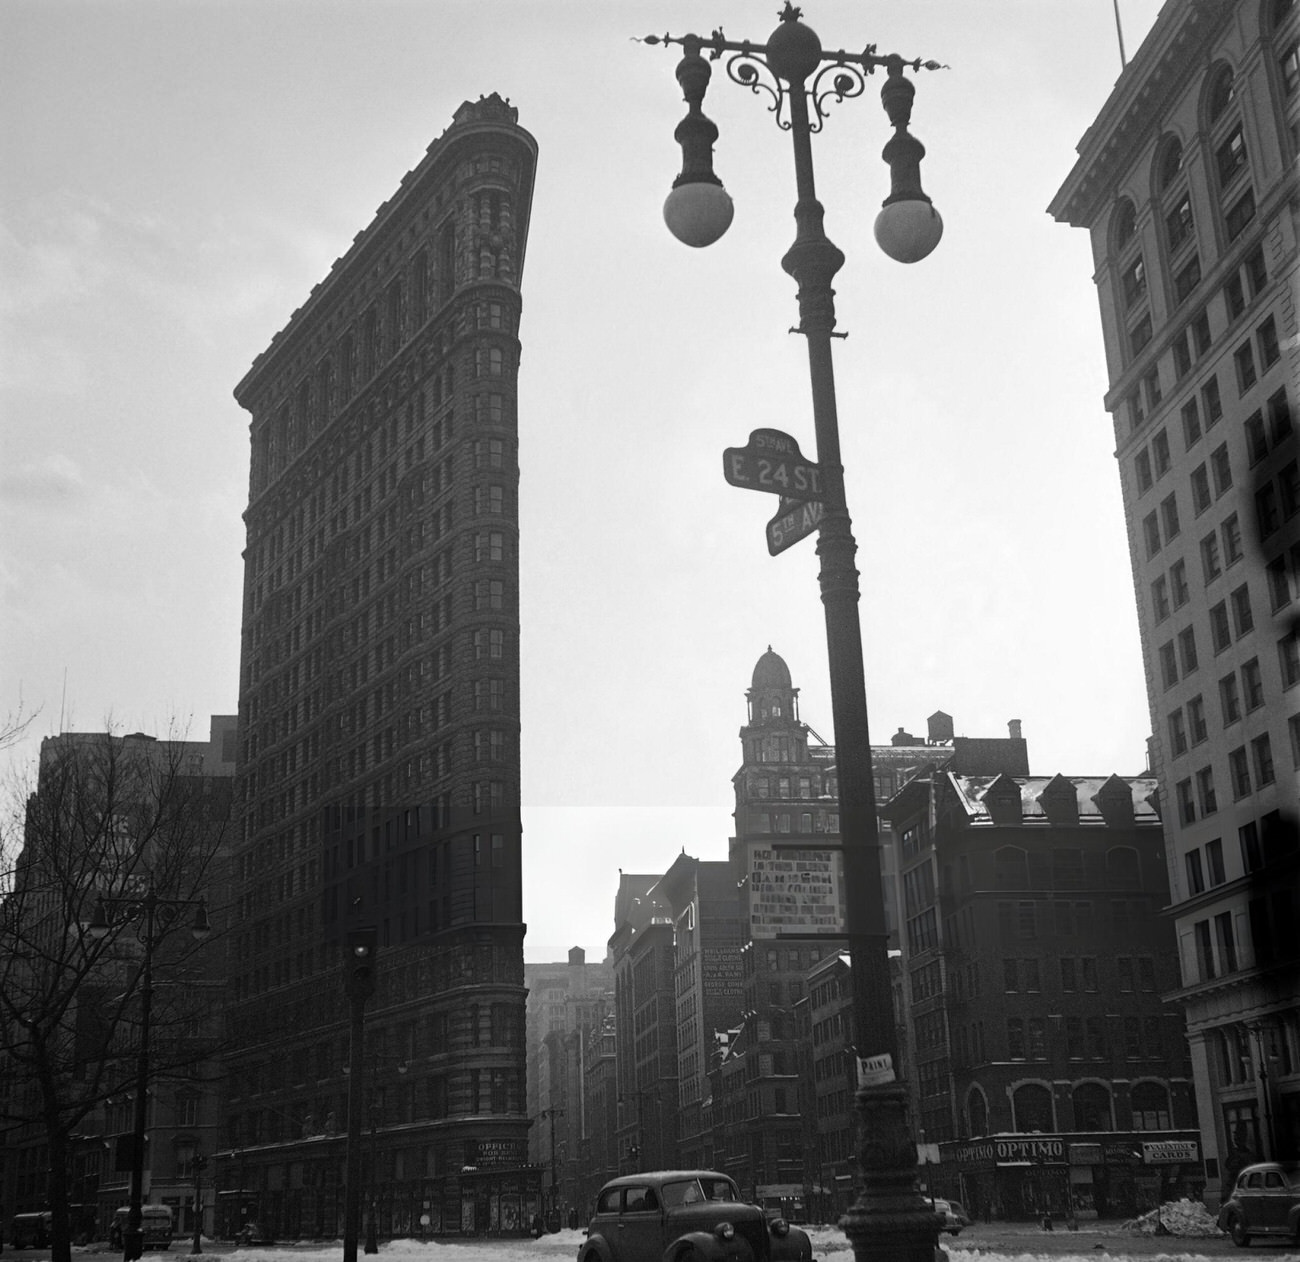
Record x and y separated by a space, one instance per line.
795 892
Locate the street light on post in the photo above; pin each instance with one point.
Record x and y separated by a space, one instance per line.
889 1222
552 1114
362 944
152 917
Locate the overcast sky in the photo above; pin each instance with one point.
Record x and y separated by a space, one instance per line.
178 174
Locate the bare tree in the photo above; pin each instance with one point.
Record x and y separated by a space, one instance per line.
112 819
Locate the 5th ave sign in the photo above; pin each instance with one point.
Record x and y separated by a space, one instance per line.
772 462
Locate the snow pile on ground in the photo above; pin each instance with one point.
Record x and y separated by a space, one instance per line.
1179 1218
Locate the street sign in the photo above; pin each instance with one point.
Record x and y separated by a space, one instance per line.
772 462
795 521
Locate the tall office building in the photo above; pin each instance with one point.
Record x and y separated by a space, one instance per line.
1187 186
379 728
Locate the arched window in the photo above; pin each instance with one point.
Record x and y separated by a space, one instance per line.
1221 92
1169 163
1092 1108
1279 11
1123 223
978 1109
1032 1108
1151 1107
1011 868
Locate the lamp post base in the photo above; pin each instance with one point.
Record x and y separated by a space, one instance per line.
890 1221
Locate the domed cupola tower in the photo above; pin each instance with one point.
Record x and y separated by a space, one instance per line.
774 732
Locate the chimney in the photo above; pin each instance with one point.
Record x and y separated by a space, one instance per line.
1013 729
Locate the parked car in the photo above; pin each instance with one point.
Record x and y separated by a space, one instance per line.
696 1214
954 1216
31 1231
1265 1201
155 1223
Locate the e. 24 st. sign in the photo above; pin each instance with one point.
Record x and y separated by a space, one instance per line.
772 462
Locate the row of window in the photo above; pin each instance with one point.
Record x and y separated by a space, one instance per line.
1080 974
1198 793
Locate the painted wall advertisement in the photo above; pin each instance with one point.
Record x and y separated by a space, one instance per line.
796 892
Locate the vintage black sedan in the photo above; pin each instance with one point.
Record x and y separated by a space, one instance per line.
686 1216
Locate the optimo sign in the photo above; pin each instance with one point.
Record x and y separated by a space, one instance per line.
795 892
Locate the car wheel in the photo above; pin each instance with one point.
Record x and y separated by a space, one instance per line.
1237 1230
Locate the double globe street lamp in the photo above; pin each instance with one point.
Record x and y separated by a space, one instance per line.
890 1220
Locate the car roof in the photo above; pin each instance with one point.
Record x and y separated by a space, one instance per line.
665 1176
1291 1167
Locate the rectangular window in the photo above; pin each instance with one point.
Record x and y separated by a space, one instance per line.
1269 349
1279 417
1227 942
1178 223
1160 455
1252 856
1015 1038
1244 359
1140 334
1230 157
1288 487
1221 466
1289 64
1210 566
1256 271
1239 773
1133 282
1195 873
1200 327
1252 685
1256 440
1160 599
1288 658
1214 861
1212 402
1261 750
1137 413
1229 699
1182 356
1204 950
1142 471
1242 212
1151 383
1230 533
1151 532
1279 583
1197 726
1234 296
1201 498
1267 511
1186 802
1168 665
1186 278
1187 650
1177 732
1169 515
1206 796
1178 586
1191 423
1242 617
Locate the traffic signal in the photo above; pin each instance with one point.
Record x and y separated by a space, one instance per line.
362 944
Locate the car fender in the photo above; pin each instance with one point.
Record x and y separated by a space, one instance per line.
595 1249
705 1244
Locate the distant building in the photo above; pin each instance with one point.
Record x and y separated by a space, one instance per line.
1186 183
379 718
787 815
124 815
645 1015
567 1004
1035 959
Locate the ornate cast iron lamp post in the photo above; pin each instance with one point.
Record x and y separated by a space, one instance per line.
152 917
889 1221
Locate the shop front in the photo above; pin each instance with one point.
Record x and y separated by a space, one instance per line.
1070 1178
